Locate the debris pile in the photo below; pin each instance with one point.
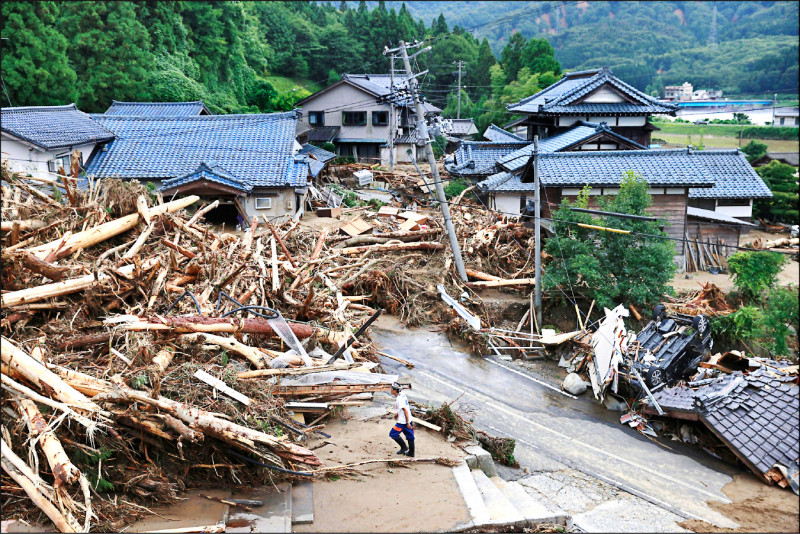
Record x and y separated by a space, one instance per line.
709 300
142 348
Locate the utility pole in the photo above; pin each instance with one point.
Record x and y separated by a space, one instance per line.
774 101
422 129
537 231
458 113
391 119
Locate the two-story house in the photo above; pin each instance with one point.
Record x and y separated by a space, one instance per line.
361 117
591 96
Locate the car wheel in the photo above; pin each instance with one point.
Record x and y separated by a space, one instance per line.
654 377
700 323
659 313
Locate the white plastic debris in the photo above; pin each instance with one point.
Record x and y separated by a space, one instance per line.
609 343
574 384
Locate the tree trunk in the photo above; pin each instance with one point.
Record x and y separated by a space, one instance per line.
63 470
422 245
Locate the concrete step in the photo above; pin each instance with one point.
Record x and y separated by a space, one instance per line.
501 511
534 512
479 458
274 516
302 503
472 496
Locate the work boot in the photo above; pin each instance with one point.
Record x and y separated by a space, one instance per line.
410 448
402 444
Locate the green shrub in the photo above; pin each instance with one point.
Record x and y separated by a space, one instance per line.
755 272
330 147
781 319
455 188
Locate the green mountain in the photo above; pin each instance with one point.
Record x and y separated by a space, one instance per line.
747 48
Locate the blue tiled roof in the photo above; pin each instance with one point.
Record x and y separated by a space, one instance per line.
479 158
734 176
212 173
517 160
319 154
52 127
498 135
461 127
667 168
158 109
562 97
255 149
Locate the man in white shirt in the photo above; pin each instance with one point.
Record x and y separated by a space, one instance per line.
403 423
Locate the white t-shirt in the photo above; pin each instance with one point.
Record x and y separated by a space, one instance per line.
402 402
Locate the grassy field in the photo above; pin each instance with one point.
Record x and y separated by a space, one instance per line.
303 87
714 141
717 130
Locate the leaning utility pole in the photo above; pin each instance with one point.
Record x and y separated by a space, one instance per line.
537 230
422 129
458 113
391 119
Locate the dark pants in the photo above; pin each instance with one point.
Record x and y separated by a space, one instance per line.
407 431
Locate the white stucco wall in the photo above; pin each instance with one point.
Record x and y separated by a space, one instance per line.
745 210
283 203
605 95
507 203
23 157
345 98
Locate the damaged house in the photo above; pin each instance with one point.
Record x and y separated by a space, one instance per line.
250 163
591 96
361 118
41 139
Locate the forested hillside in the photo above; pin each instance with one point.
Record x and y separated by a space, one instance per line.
226 53
648 44
233 54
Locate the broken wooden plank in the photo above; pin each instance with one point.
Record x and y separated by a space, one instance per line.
502 283
356 227
221 386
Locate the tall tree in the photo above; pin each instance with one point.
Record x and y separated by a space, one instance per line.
511 56
34 58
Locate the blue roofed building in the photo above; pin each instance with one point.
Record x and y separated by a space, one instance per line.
158 109
40 139
250 163
478 159
592 96
700 193
497 135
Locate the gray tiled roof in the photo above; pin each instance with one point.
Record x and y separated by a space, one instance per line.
255 149
380 85
207 171
158 109
667 168
479 158
53 127
462 127
758 420
562 97
322 134
319 159
517 160
734 176
496 134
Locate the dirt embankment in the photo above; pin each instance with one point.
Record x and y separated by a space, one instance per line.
756 507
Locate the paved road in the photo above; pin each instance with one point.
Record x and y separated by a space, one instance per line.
554 430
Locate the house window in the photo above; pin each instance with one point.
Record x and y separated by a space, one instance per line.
263 203
63 160
380 118
316 118
782 121
354 118
523 204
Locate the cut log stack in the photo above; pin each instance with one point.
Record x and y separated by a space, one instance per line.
703 254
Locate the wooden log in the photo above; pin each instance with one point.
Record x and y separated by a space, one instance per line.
254 355
162 359
501 283
41 377
36 496
28 224
275 281
53 272
301 371
140 241
64 472
84 341
198 323
282 244
188 253
391 247
320 242
482 276
107 230
202 211
65 287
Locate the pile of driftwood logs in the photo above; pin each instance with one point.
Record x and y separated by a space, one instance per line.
142 347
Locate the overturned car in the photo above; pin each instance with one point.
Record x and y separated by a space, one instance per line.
668 349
